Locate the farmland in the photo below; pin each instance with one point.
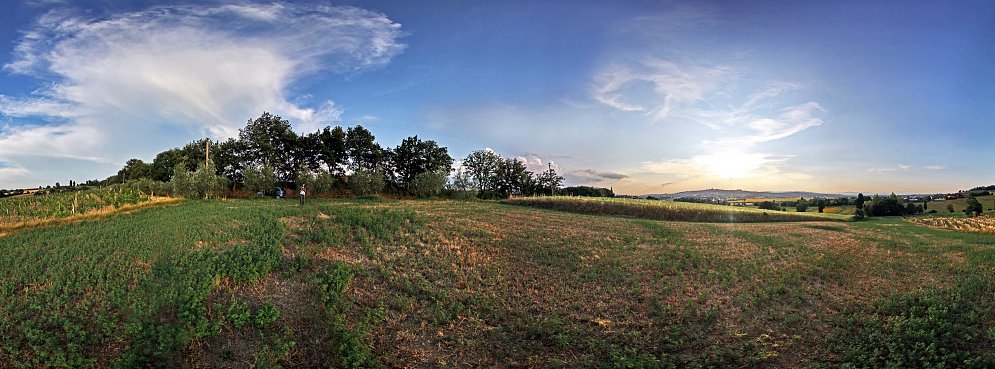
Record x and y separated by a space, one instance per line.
987 203
978 224
665 210
442 283
29 211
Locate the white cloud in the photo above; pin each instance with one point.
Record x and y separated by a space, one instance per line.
674 85
35 107
791 121
592 176
890 169
134 84
935 167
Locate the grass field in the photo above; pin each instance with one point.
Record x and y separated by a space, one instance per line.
668 210
987 203
387 283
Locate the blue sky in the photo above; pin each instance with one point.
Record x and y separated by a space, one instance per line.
642 96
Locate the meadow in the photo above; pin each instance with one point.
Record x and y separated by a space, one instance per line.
443 283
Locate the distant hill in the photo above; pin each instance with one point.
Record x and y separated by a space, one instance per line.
740 194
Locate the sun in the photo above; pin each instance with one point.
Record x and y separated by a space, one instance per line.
731 164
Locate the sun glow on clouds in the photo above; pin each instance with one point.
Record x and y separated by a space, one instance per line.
717 97
133 84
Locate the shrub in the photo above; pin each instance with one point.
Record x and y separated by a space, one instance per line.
364 183
323 182
202 183
259 179
974 206
769 205
858 215
428 184
802 206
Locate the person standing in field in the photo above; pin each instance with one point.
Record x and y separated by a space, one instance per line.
303 193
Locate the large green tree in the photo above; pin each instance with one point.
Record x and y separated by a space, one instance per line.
549 181
364 152
333 149
483 166
513 177
270 139
134 169
413 157
164 163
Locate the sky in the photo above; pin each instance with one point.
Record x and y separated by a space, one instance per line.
640 96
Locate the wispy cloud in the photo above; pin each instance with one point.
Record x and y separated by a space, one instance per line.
898 167
591 176
674 85
121 85
903 167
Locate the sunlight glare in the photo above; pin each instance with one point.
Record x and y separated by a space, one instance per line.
732 164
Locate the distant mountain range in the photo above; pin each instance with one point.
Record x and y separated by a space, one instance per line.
740 194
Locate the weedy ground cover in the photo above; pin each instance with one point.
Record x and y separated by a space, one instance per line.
667 210
439 283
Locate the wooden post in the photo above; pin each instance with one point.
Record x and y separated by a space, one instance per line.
207 152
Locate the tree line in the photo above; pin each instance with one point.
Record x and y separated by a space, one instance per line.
485 174
268 154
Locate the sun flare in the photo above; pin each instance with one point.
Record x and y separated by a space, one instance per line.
732 164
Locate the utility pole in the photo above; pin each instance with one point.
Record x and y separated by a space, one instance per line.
552 189
207 152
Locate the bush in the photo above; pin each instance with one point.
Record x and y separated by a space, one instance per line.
858 215
974 206
202 183
428 184
323 182
801 207
769 205
259 179
364 183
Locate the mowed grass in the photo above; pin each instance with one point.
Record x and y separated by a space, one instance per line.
438 283
667 210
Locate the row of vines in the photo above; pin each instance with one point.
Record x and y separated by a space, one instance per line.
66 204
